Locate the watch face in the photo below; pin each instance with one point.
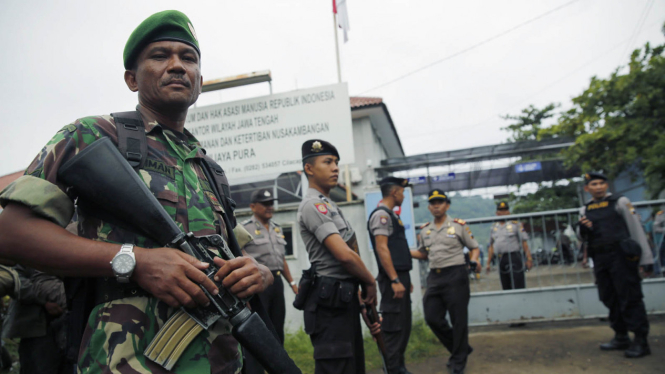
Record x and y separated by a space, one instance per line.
123 264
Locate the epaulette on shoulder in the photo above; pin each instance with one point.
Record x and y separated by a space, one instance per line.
275 223
423 226
460 221
659 213
515 221
246 221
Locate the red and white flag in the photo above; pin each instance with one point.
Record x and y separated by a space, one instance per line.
339 8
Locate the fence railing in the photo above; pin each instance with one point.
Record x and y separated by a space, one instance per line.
555 249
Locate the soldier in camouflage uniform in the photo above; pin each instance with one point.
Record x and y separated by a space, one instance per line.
162 61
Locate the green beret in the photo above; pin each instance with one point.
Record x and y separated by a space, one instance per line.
166 25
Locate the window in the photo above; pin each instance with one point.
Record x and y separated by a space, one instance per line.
290 245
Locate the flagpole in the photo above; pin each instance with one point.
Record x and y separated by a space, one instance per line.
339 70
347 173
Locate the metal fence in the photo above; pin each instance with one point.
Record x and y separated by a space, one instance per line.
555 250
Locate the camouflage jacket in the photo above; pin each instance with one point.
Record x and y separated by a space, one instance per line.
119 331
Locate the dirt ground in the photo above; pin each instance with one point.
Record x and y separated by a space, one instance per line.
554 347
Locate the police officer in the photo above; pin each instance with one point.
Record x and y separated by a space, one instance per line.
134 298
268 248
508 239
607 222
332 308
391 249
442 242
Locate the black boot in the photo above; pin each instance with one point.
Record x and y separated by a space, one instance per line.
619 342
639 348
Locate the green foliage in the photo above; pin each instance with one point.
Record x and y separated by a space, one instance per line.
546 198
422 344
618 122
528 125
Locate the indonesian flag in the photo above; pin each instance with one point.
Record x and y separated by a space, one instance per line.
339 8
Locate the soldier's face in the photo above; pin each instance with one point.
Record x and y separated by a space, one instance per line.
399 196
167 75
597 188
502 212
438 208
324 171
263 211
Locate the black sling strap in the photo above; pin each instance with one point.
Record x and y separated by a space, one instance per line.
132 141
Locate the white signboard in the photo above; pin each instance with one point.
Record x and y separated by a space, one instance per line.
264 135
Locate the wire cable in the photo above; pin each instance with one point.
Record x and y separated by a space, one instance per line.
459 53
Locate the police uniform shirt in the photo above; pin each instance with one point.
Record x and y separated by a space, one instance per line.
268 245
380 223
508 237
319 218
445 246
626 210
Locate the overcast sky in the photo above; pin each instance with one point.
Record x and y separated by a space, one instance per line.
62 60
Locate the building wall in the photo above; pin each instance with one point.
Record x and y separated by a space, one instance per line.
368 154
355 214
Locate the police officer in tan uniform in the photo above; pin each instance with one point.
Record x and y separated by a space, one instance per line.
442 242
268 248
508 239
332 307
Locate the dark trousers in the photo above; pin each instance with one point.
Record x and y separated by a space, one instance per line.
448 291
334 329
511 271
41 355
620 289
272 300
396 325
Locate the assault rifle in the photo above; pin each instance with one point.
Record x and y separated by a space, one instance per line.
373 317
107 186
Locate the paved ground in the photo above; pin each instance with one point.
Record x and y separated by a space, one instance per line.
558 347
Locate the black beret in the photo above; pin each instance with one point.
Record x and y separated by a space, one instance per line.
396 181
502 205
167 25
588 177
262 195
318 147
437 194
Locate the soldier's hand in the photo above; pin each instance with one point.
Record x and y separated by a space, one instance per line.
398 290
585 262
53 308
243 276
529 264
369 291
411 290
172 276
295 289
584 221
479 267
488 268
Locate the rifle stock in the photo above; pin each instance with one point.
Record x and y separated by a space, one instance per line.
107 187
373 317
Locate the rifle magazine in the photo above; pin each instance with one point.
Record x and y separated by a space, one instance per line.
172 339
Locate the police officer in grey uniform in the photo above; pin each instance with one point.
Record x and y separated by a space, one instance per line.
442 242
332 308
614 238
393 257
268 248
508 239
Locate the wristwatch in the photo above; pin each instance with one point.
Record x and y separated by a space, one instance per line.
293 283
396 280
123 263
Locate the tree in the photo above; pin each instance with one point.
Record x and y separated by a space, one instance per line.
529 123
546 198
618 122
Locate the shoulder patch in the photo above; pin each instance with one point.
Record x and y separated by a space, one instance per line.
460 221
321 207
423 226
383 220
